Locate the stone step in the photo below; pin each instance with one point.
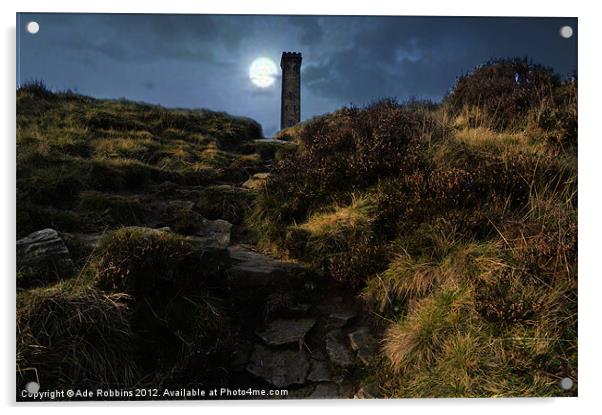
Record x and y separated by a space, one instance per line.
253 270
280 332
338 351
281 367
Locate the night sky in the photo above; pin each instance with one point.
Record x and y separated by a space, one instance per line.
202 61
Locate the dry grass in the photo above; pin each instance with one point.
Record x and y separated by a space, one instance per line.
339 218
75 336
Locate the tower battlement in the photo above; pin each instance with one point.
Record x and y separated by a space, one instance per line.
290 110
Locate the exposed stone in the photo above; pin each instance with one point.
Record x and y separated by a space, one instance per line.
338 352
281 368
215 231
361 338
89 240
341 318
280 332
369 391
42 256
257 181
252 271
321 372
363 343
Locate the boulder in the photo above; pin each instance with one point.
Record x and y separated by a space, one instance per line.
252 272
257 181
322 372
280 332
338 352
218 230
361 338
363 343
370 391
42 256
281 368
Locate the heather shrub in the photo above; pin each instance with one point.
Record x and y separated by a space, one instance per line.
504 90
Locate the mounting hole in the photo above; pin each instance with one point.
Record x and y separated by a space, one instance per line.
566 383
32 387
33 27
566 32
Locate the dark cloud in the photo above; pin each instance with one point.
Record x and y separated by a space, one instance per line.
422 57
203 60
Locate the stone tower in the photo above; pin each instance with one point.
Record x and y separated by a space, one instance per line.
290 110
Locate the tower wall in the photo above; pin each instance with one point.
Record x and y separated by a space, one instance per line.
290 110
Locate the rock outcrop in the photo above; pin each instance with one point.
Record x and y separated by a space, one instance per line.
42 256
280 332
281 368
257 181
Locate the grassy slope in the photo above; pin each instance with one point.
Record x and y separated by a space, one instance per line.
461 237
76 154
87 166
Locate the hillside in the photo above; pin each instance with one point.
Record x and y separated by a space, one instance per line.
414 249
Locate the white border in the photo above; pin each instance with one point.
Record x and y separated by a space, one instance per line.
590 287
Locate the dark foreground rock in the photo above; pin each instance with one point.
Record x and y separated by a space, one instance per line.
257 181
280 368
338 351
42 256
253 274
280 332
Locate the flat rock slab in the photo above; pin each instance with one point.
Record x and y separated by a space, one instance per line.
321 372
251 269
45 255
280 332
280 368
363 343
340 318
338 352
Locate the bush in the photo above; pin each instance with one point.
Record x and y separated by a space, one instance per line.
36 89
338 242
505 90
350 151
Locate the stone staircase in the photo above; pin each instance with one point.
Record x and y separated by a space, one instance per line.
313 344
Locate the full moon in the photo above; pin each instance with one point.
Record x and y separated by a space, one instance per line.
263 72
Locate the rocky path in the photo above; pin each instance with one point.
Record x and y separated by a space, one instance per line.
297 331
311 341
